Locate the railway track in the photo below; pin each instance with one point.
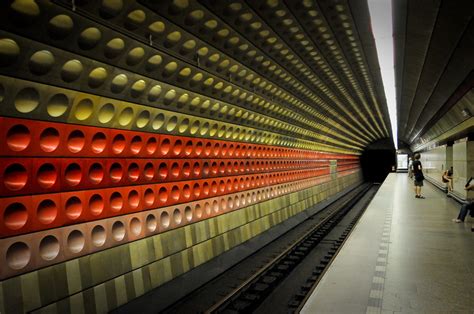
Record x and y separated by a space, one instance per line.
284 274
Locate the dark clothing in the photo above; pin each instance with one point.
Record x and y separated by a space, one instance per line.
416 167
418 173
465 208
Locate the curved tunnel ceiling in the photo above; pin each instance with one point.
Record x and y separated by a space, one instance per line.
311 58
434 65
302 74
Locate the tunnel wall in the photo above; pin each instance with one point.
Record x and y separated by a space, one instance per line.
120 171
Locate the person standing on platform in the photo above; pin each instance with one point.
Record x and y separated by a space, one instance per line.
418 175
466 207
410 167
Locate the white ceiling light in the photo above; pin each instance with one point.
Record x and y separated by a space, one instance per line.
382 28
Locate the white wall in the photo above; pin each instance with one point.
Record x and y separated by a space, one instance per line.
463 163
434 163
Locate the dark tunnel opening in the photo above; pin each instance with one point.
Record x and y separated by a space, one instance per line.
377 161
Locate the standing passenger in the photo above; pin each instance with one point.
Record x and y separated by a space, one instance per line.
418 174
410 167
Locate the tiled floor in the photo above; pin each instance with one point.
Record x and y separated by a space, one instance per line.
404 256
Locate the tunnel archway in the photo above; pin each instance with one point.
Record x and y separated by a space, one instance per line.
377 160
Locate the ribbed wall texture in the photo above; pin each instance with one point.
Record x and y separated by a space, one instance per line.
132 151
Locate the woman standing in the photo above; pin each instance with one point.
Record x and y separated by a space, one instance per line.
418 175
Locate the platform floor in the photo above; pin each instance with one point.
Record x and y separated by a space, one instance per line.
404 256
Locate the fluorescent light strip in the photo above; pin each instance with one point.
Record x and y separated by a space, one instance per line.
382 28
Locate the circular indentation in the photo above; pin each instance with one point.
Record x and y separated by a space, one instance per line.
27 100
151 145
135 56
71 70
153 63
18 255
165 146
106 113
172 38
183 126
194 127
126 116
57 105
186 170
15 177
149 171
151 223
118 144
89 38
178 147
138 88
188 213
116 202
157 27
96 173
143 119
207 208
9 51
99 142
49 140
133 199
76 241
188 148
194 17
136 144
84 109
97 77
154 93
198 211
133 172
116 172
76 141
118 231
41 62
149 197
73 208
196 190
135 226
98 236
186 191
188 46
47 175
170 68
60 26
163 195
135 18
119 82
177 217
49 248
18 138
165 219
96 204
114 47
158 121
163 171
15 216
174 193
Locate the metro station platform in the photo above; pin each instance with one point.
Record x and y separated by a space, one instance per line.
404 256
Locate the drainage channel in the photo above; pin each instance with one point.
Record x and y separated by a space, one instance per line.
266 289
